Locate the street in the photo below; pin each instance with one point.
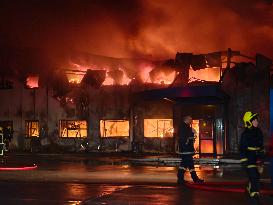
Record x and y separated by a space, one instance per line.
75 180
33 193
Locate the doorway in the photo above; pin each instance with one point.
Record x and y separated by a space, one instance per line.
209 137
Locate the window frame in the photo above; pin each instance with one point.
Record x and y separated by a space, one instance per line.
115 120
27 131
157 121
67 137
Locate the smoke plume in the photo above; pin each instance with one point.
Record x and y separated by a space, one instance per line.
153 29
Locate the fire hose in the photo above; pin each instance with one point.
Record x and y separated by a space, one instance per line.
224 187
22 168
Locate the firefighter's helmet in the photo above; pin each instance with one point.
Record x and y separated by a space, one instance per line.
248 117
1 129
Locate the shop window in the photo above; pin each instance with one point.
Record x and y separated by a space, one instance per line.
114 128
73 128
158 128
32 128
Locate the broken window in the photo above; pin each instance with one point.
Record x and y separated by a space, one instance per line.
32 128
158 128
32 81
73 128
114 128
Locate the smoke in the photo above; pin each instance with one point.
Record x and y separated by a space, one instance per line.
154 29
201 26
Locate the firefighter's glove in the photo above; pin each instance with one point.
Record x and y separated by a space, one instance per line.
260 163
260 168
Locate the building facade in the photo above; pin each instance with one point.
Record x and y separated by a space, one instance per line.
138 117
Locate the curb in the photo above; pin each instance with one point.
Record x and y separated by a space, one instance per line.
178 160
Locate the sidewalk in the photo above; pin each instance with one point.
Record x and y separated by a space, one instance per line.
176 161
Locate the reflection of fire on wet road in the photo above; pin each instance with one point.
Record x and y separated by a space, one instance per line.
106 191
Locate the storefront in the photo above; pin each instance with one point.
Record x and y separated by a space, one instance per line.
207 104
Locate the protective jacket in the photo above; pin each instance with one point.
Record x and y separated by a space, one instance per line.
251 146
186 139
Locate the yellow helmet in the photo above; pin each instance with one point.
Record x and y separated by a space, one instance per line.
248 117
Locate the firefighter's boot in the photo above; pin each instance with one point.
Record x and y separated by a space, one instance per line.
180 176
195 178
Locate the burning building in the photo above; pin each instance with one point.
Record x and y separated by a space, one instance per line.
113 104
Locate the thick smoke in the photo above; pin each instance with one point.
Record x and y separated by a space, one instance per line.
154 29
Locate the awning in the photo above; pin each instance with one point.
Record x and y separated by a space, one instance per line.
201 94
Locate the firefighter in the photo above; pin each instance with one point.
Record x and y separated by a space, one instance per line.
1 134
8 134
1 140
252 152
186 149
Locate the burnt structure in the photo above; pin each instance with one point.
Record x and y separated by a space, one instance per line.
54 114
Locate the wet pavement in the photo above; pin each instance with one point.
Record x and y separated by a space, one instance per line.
37 193
74 180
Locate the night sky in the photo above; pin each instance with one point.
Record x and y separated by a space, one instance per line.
138 28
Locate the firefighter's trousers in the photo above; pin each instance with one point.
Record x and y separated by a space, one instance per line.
254 180
186 163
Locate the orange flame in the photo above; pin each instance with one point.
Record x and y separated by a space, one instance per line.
108 80
207 74
74 78
161 77
32 81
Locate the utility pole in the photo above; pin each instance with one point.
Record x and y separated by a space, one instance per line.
229 55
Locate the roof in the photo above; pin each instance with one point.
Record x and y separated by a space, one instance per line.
202 94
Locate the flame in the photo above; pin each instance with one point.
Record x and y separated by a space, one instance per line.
126 80
108 80
74 78
77 77
207 74
32 81
80 67
144 72
161 77
165 79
